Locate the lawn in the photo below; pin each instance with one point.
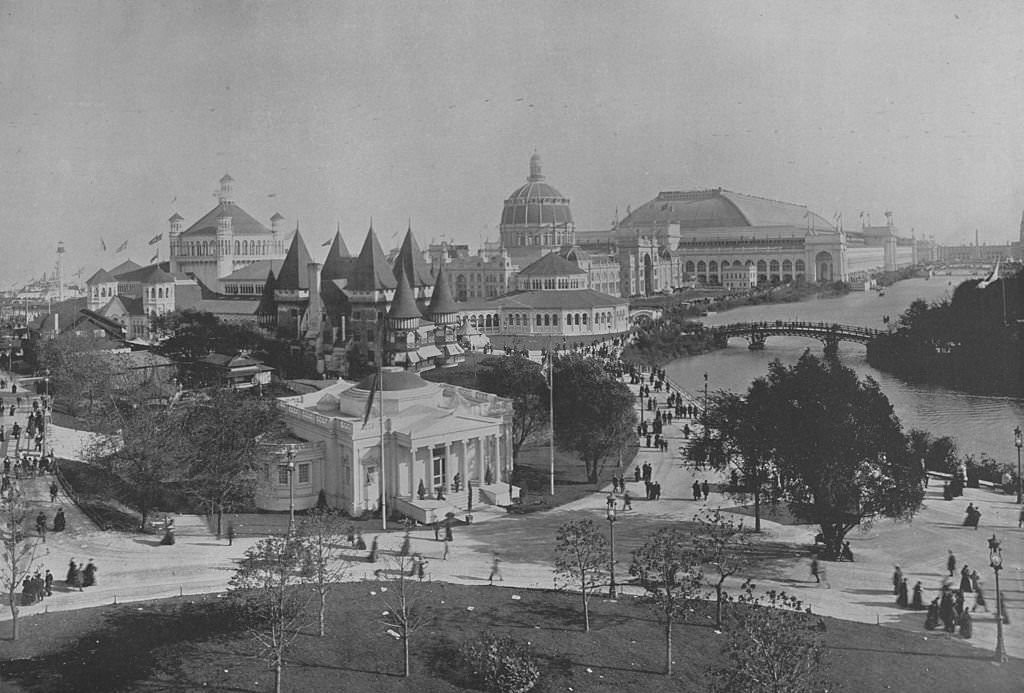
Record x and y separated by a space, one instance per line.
187 644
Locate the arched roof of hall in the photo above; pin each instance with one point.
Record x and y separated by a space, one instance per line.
717 208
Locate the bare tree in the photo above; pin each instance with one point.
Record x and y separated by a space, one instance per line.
581 561
266 586
405 610
321 534
19 552
721 544
669 571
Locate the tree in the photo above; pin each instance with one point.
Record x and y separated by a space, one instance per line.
721 544
838 447
321 534
593 413
734 439
82 371
581 561
522 381
224 437
192 334
265 587
19 552
669 572
774 645
405 611
148 451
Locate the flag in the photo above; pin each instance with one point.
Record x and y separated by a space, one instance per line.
121 247
369 399
994 277
325 243
103 244
154 258
156 239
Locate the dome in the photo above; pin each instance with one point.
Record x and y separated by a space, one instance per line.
536 203
393 378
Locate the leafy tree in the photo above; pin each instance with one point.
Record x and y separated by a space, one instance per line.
405 611
774 645
581 561
148 451
939 454
224 437
522 381
19 552
593 413
670 573
721 544
321 534
265 587
82 371
734 440
192 334
838 446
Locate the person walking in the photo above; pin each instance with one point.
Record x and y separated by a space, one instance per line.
89 574
54 489
1020 518
917 603
815 570
897 576
951 563
41 525
495 571
705 489
902 599
627 503
231 533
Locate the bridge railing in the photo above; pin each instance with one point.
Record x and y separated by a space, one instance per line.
798 326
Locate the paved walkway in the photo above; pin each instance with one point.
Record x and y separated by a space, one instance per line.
136 567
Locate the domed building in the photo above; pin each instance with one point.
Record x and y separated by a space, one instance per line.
536 218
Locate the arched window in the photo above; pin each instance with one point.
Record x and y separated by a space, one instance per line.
577 319
547 320
762 267
487 321
713 267
238 248
702 267
800 266
538 320
584 319
787 265
496 318
773 266
690 267
554 320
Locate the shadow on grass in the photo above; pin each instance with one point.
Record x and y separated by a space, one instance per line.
131 644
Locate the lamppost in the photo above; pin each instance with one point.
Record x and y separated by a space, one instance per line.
46 380
995 559
290 468
612 593
1018 440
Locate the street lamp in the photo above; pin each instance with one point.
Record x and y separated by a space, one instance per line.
995 559
612 594
290 468
1018 440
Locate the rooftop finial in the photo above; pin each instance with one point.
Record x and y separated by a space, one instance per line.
535 174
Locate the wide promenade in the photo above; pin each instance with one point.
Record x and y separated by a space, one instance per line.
136 567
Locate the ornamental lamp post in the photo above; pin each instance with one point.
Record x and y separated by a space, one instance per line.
995 559
612 593
1018 440
290 468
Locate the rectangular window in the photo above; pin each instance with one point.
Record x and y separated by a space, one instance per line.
304 473
282 475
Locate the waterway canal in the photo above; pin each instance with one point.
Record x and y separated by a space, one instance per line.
980 423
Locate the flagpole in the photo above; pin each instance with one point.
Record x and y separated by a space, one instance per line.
551 413
380 404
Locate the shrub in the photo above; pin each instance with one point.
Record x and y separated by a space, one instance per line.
500 664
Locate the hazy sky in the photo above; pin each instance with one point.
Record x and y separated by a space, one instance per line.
117 114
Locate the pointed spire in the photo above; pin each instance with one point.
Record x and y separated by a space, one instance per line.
371 271
410 259
292 274
441 302
338 261
403 305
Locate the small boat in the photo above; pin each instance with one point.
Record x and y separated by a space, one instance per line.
881 292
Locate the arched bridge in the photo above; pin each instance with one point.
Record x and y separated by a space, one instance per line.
829 334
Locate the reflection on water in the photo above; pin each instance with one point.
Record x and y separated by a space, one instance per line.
981 424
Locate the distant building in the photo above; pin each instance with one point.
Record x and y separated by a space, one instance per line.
224 240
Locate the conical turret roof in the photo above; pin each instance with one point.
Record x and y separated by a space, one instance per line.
441 301
338 261
410 259
403 306
293 270
371 271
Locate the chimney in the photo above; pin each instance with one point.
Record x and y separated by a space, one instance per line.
314 311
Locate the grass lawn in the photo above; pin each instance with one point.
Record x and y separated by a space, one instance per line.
187 644
533 471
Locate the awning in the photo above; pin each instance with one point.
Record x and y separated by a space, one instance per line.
453 350
428 351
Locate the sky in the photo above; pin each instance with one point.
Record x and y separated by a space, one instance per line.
118 114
